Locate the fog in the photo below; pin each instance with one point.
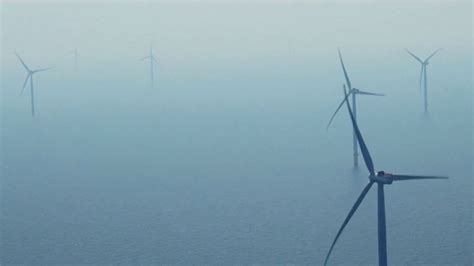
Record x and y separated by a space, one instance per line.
227 160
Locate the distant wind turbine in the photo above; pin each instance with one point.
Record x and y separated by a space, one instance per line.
75 54
354 92
153 60
30 78
423 78
381 178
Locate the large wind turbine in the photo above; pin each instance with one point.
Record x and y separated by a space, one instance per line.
153 60
381 178
354 92
30 77
423 79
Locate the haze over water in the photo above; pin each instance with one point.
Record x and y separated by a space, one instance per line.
227 160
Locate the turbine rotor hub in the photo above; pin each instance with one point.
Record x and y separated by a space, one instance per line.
381 177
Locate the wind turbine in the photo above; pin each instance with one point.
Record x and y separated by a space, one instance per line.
153 60
382 179
30 77
423 79
354 92
75 54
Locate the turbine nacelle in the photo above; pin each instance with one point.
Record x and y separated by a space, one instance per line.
381 177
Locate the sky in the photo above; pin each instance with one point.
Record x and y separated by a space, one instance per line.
197 39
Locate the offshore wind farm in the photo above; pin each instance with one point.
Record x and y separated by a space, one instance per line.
269 132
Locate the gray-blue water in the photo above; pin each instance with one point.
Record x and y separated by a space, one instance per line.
227 160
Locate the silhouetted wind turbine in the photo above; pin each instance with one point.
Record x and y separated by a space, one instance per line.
353 92
423 78
381 178
153 60
30 77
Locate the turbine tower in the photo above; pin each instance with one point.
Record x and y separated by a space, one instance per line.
381 178
75 54
153 60
423 78
30 78
354 92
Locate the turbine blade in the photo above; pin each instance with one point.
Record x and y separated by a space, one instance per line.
22 62
348 81
24 83
435 52
337 110
365 152
414 177
143 58
42 69
369 93
349 216
154 59
414 56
